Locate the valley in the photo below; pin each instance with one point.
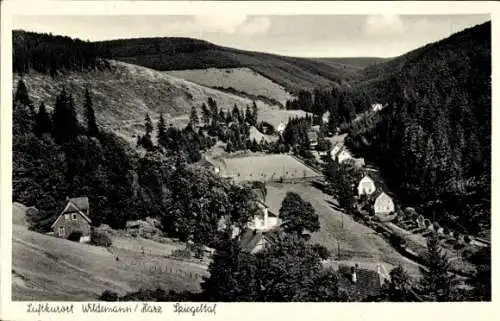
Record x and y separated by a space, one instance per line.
176 169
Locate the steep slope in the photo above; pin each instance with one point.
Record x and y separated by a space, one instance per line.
184 53
433 141
241 80
48 268
124 93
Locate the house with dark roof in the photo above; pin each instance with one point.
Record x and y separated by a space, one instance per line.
254 241
365 285
74 218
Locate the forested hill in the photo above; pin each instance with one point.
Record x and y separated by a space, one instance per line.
184 53
468 46
433 141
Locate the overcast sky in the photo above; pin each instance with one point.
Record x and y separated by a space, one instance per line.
292 35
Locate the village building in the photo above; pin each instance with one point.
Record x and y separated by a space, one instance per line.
335 150
377 107
281 128
383 205
366 186
343 156
265 220
325 117
74 218
359 162
313 138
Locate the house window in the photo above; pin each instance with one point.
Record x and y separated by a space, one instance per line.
73 217
61 230
66 216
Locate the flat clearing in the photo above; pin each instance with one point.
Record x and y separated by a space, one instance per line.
47 268
244 80
264 168
358 243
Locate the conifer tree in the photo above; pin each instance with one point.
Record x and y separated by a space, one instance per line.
66 126
43 124
21 96
437 282
205 114
148 124
92 129
162 131
194 121
254 114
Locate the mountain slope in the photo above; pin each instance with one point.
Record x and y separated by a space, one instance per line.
184 53
352 62
242 80
57 269
124 93
433 141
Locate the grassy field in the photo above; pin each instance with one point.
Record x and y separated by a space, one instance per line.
244 80
264 168
48 268
123 95
358 243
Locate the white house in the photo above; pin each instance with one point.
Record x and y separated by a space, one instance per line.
325 117
377 107
281 128
383 204
366 186
343 156
264 221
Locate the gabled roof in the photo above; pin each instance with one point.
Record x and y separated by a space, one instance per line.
250 238
82 203
76 204
366 176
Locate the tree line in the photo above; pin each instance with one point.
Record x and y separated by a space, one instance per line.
55 157
49 54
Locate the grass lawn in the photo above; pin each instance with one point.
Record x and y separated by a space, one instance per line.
358 243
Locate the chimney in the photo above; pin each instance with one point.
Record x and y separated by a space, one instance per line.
265 217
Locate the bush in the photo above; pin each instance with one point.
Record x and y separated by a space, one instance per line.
100 239
108 296
75 236
467 239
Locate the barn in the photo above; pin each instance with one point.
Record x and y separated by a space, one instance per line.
74 218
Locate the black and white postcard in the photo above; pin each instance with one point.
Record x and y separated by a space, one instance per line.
174 159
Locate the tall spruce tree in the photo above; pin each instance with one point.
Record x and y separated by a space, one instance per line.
66 126
162 131
437 284
92 129
148 124
43 124
21 96
194 121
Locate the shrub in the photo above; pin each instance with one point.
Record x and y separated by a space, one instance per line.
100 239
75 236
467 239
108 296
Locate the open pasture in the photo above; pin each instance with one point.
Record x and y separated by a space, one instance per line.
265 168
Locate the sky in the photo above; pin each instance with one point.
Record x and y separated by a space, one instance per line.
291 35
